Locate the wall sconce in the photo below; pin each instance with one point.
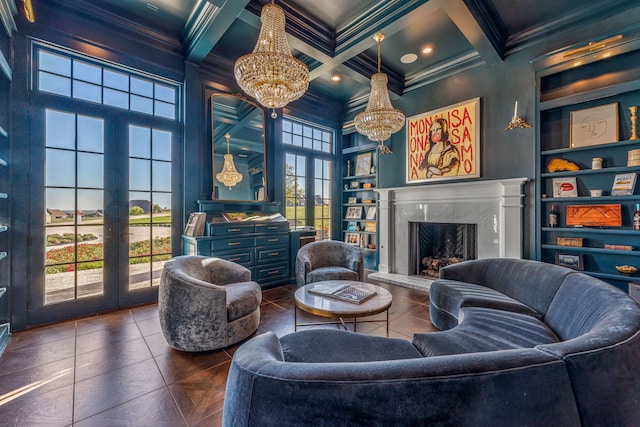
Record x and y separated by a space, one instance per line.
28 11
517 121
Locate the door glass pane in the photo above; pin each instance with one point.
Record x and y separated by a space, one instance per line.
90 134
139 174
90 173
149 205
295 189
161 176
73 216
161 145
139 142
60 168
60 130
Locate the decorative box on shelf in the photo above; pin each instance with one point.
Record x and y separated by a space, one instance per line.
595 215
570 241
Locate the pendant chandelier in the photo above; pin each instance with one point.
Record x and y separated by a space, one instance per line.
229 176
271 74
379 120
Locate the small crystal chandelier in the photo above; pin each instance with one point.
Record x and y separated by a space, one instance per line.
380 120
271 74
229 175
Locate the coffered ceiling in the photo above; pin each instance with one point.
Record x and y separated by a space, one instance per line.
335 37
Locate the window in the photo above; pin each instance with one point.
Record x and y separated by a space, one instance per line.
62 74
308 175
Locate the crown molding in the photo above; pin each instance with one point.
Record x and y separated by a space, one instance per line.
137 31
301 25
379 15
489 21
580 18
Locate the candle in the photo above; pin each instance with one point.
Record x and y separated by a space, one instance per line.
515 111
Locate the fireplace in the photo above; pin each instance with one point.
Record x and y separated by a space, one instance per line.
433 245
494 206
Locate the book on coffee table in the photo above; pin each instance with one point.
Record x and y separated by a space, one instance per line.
342 292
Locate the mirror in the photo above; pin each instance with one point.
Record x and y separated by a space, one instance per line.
237 129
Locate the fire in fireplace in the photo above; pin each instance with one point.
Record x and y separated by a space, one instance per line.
433 245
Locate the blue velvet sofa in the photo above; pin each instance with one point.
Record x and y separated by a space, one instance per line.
522 343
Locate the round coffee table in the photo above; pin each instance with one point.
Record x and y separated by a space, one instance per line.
333 308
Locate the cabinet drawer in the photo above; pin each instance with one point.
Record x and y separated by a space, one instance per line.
273 254
243 258
231 229
226 244
273 227
277 271
272 239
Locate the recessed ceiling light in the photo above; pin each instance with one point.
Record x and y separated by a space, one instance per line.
335 78
427 50
408 58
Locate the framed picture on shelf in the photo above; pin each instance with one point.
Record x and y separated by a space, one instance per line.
363 164
570 260
352 200
355 184
354 212
623 184
370 226
352 226
352 238
364 240
594 126
371 212
195 224
565 187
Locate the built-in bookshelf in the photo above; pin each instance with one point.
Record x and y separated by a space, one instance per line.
567 93
359 201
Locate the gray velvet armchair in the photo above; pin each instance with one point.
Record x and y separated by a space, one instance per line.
207 303
328 260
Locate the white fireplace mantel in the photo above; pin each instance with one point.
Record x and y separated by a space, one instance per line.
494 205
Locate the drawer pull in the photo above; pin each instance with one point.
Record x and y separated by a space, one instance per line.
234 259
271 273
234 243
273 228
273 240
274 253
232 230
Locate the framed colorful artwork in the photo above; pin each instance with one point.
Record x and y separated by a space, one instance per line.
444 143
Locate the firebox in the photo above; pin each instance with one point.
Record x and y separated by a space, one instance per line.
433 245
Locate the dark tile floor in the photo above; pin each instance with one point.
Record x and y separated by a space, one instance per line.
116 369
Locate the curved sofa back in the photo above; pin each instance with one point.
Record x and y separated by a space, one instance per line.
263 389
530 282
599 328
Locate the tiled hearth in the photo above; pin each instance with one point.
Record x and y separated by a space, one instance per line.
494 205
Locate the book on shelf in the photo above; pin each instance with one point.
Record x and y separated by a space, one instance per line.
342 292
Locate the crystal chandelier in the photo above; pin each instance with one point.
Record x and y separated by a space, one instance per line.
380 120
229 176
271 74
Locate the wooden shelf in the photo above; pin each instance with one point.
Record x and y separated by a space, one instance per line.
592 250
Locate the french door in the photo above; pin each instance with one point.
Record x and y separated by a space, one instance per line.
103 221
